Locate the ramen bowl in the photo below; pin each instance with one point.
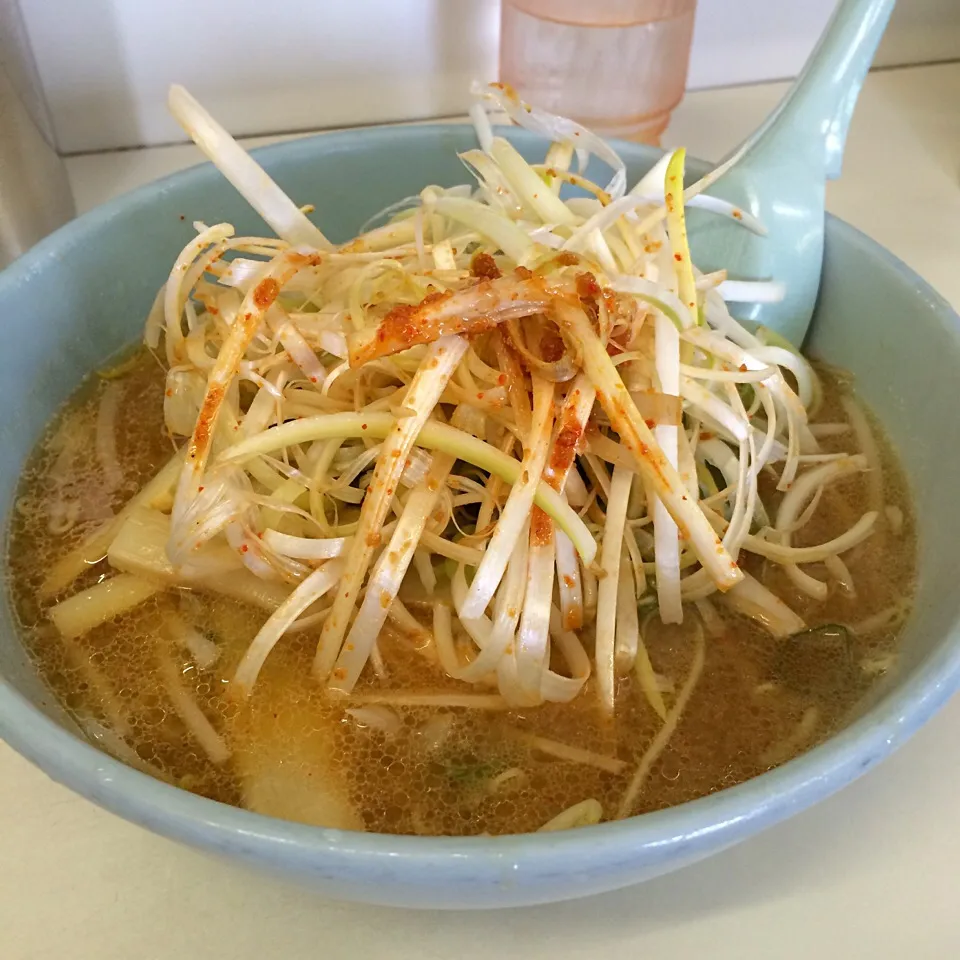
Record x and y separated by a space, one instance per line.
83 293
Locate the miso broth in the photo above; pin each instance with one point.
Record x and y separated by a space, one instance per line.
381 763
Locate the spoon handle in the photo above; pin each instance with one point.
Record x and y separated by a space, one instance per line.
815 113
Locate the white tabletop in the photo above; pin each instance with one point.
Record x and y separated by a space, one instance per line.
871 872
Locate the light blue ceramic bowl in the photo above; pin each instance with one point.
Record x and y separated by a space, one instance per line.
83 293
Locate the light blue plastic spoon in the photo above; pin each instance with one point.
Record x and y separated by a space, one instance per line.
782 176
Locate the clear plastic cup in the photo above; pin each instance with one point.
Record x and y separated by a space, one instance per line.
616 66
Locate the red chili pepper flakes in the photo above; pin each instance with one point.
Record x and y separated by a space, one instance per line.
541 527
587 285
266 292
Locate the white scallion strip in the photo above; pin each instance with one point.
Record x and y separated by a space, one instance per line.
190 713
628 621
754 600
553 686
734 376
558 129
677 232
510 238
665 531
569 582
481 124
384 582
178 631
496 635
250 179
306 548
841 573
779 553
647 679
564 751
173 293
669 727
300 351
376 717
586 813
868 449
712 621
665 300
443 638
106 436
433 374
155 320
528 185
803 488
308 591
610 555
808 384
533 636
517 508
704 401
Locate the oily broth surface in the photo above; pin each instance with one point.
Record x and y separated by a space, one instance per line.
735 726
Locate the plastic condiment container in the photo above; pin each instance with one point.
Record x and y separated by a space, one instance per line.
617 66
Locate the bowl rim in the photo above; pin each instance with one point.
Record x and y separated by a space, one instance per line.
725 816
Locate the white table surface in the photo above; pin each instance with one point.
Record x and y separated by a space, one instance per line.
873 872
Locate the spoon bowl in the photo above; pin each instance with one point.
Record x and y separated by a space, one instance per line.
781 175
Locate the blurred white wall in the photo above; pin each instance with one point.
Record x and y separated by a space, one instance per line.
285 65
